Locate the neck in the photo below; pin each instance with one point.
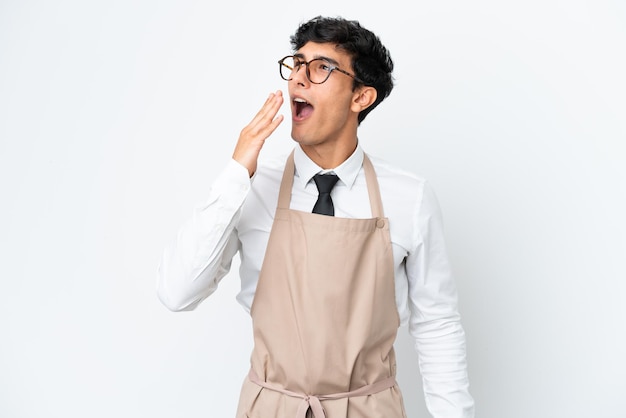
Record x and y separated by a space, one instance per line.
329 156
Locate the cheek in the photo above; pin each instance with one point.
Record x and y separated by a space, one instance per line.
340 113
337 109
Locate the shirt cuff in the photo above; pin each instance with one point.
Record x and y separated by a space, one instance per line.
230 187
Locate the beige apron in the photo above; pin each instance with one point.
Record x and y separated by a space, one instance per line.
324 316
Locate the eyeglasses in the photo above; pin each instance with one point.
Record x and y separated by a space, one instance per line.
317 70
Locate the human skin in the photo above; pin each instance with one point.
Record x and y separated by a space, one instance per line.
327 130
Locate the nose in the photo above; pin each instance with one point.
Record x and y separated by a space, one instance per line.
299 75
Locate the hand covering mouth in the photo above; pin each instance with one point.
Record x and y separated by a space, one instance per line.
302 108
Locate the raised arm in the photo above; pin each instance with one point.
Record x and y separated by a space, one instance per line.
193 264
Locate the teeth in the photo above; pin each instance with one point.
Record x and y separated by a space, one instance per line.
299 100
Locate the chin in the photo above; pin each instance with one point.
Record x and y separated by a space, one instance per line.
297 137
302 141
304 138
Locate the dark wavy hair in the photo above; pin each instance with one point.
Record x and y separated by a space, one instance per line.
371 61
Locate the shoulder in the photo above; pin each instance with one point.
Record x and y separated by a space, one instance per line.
396 180
404 192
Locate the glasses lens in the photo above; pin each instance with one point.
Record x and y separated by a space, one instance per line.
286 67
319 70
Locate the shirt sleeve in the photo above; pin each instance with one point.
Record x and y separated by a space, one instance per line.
193 264
435 322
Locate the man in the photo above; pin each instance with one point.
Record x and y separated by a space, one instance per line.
337 249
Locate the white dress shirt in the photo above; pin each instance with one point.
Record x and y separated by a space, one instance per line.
238 216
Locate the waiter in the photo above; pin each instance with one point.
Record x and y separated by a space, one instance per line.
337 248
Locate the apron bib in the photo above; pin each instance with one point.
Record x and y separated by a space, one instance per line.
324 316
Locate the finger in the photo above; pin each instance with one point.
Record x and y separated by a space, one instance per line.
269 109
271 127
272 109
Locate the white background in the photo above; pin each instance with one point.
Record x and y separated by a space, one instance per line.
115 116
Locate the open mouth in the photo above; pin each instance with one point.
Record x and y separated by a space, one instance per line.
302 108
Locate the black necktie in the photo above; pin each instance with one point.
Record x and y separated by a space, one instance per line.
325 183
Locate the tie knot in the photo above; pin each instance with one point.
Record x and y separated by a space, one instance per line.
325 182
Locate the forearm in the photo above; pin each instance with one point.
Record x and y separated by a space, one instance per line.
441 349
200 255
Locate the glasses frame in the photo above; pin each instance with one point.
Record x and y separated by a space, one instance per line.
281 64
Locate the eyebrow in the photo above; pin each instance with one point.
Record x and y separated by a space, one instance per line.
315 57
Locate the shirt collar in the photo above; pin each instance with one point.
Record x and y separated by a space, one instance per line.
346 171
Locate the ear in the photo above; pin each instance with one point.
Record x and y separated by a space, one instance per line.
363 98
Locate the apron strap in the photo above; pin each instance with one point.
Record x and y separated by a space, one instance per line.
313 402
284 196
376 203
